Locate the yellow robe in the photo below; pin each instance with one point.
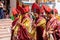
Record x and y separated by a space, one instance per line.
41 26
17 26
58 17
42 23
27 23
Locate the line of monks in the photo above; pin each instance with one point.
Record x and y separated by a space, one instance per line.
42 24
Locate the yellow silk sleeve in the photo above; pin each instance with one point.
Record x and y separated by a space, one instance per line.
15 30
20 17
27 22
42 23
58 17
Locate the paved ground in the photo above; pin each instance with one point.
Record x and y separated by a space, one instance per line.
5 29
7 38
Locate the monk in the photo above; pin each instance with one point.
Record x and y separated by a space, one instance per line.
58 23
52 25
15 14
40 22
19 29
41 26
27 21
49 15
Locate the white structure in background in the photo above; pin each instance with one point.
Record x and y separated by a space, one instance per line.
58 6
32 1
29 1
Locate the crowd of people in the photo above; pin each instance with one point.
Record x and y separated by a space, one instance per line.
4 11
42 24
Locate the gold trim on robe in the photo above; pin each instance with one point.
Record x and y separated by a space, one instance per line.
16 27
27 23
42 23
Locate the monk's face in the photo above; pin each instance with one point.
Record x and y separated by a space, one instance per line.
26 15
50 15
36 15
15 16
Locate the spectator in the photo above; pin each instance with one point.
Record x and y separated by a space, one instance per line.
7 16
1 10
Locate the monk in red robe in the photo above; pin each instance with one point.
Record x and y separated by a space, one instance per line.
14 11
40 26
58 23
40 22
19 31
51 25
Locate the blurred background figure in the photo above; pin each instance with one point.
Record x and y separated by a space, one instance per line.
1 10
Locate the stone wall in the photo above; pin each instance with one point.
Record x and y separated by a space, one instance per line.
12 5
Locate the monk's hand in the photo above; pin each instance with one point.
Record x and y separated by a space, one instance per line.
21 24
50 31
18 22
44 34
34 25
56 30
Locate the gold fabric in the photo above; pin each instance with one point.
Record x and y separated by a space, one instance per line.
20 17
15 30
27 23
58 17
42 23
17 26
32 32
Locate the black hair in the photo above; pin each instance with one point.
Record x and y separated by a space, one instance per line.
16 15
52 12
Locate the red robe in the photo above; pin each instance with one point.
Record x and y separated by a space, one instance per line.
58 30
54 23
39 29
22 33
12 31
